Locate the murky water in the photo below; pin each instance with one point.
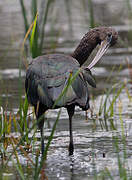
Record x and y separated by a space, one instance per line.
94 139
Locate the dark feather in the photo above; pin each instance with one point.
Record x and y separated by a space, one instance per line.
89 77
48 75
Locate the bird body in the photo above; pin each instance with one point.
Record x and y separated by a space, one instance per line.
48 75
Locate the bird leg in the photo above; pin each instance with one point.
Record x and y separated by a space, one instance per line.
70 110
42 140
39 111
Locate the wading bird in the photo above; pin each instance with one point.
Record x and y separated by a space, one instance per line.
48 75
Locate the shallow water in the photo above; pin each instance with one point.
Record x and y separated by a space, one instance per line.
94 139
95 145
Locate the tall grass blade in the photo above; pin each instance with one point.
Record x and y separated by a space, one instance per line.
42 31
19 171
102 98
51 135
114 99
101 106
122 129
25 111
9 124
18 165
32 26
47 146
91 14
35 49
21 123
20 142
1 121
24 13
69 14
33 39
33 8
36 163
15 123
121 165
23 151
37 38
129 8
108 174
41 12
109 111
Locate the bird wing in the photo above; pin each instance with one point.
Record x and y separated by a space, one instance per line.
47 76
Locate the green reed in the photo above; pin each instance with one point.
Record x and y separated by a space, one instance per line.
90 18
128 4
129 10
36 44
91 14
107 102
117 141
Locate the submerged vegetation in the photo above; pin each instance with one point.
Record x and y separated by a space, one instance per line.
18 131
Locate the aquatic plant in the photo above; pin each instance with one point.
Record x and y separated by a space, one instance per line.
119 142
36 41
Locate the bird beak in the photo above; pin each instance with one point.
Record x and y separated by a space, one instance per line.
102 49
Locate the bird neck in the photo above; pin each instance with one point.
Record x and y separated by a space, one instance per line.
86 46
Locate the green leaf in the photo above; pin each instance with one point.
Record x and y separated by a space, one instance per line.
33 32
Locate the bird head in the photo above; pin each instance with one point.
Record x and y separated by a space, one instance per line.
106 37
109 35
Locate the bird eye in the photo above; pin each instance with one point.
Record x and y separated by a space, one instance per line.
109 37
109 34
